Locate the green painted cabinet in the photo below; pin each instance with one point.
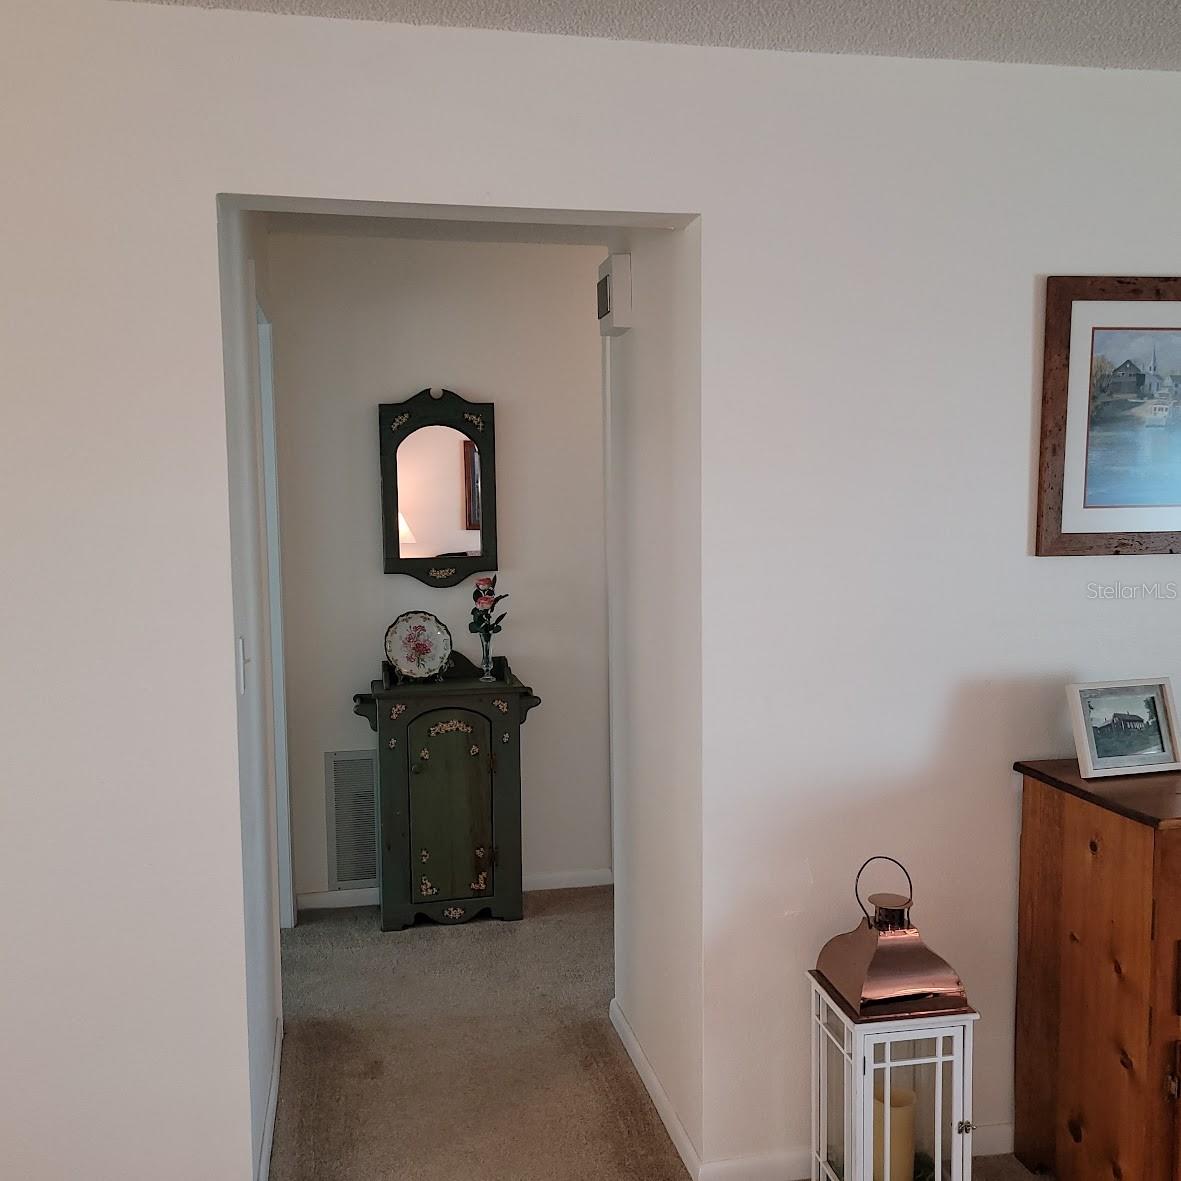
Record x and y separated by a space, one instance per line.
449 831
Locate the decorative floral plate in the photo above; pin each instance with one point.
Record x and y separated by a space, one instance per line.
418 644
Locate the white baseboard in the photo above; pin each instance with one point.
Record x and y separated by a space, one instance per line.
262 1167
563 880
787 1165
992 1140
676 1130
327 899
568 879
773 1166
794 1165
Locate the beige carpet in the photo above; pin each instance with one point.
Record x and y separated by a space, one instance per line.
476 1053
473 1053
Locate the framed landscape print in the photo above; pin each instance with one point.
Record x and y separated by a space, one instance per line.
1109 479
1124 727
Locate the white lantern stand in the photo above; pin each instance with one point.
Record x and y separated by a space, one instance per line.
891 1097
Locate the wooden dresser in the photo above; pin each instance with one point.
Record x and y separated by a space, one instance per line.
449 793
1099 975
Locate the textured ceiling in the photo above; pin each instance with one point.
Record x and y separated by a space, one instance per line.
1140 34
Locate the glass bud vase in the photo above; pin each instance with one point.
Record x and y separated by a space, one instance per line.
486 650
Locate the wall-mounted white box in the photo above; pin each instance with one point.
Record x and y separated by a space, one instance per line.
615 294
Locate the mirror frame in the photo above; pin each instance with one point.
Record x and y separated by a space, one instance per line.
476 421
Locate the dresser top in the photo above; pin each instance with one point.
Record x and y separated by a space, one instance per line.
449 687
1153 798
462 676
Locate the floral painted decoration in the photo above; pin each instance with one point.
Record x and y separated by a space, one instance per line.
451 726
417 645
453 912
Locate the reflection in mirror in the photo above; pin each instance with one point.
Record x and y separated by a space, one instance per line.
439 507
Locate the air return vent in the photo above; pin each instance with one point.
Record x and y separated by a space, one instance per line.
351 796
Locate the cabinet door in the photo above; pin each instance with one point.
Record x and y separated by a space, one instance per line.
1163 1113
1105 958
450 757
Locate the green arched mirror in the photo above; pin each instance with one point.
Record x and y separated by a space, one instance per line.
438 487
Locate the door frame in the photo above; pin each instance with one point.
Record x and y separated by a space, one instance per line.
274 595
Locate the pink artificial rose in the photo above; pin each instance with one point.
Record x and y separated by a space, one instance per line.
483 583
485 602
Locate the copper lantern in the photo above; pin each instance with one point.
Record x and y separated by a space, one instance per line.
891 1052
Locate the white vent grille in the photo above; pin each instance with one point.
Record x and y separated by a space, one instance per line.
351 789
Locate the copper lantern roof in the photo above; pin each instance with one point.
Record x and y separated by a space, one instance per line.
883 969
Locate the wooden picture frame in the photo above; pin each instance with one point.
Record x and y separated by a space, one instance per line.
471 485
1062 293
1136 710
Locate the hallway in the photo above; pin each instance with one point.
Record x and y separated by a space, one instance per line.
456 1053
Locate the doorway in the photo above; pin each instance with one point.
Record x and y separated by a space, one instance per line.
319 561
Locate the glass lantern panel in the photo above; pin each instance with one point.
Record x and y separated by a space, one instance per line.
921 1049
836 1026
834 1084
949 1140
913 1134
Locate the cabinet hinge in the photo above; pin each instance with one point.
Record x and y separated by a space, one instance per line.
492 759
1173 1078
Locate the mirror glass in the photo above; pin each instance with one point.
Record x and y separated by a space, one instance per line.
439 505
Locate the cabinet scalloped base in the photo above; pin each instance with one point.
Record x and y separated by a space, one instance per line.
398 918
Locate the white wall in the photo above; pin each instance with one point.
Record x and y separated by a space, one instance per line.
243 272
361 320
874 236
654 505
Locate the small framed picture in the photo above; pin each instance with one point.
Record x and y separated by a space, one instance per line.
1124 727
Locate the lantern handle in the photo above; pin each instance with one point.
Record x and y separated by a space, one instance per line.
893 861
